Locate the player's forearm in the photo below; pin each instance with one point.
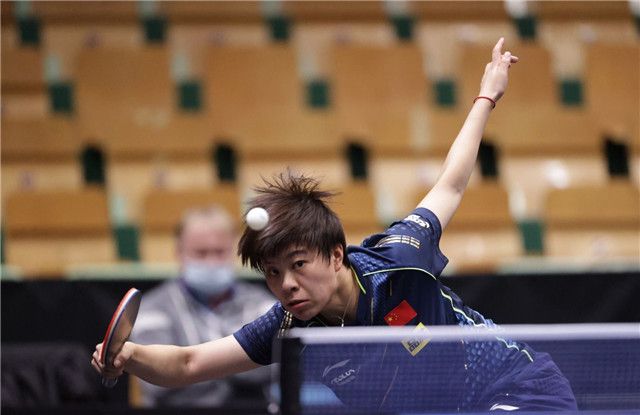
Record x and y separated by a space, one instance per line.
173 366
161 365
463 153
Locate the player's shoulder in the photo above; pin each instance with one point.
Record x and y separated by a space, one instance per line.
420 219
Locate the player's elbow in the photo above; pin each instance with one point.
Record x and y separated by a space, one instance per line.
180 372
190 368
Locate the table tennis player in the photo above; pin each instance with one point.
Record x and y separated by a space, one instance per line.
390 279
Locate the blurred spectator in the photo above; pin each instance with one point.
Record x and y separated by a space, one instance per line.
205 302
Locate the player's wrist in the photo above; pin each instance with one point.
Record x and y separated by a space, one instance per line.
128 354
486 100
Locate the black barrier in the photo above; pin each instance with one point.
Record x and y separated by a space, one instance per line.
77 312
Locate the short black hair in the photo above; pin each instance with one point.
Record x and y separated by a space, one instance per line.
298 216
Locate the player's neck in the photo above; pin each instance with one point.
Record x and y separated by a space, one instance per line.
343 310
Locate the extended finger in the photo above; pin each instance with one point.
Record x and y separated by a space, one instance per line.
97 366
497 49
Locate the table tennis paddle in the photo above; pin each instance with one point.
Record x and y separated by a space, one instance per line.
119 330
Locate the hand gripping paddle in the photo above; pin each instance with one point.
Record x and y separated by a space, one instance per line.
119 330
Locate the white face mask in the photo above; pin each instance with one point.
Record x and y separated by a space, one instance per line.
208 279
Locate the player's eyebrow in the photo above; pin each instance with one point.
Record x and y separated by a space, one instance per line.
288 255
296 251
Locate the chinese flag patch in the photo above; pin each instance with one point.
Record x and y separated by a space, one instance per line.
400 315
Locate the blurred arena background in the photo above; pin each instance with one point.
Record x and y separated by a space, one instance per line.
117 116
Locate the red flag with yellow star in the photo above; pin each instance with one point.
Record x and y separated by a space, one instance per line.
400 315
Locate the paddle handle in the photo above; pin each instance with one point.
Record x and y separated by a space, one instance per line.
109 382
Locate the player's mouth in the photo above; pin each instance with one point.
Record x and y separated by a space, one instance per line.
297 305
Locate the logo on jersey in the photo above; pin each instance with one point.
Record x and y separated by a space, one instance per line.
417 219
414 346
400 315
399 239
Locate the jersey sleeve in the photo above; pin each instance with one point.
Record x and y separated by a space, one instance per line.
413 242
256 338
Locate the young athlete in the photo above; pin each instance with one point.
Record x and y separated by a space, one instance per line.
391 279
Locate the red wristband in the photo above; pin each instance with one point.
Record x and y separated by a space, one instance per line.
493 102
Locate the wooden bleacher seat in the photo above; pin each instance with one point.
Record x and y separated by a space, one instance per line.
594 222
39 139
482 234
303 134
378 91
39 154
132 178
73 12
545 131
47 232
24 92
529 179
126 103
331 11
612 90
256 100
182 136
580 10
22 70
123 94
447 10
211 11
7 14
163 211
356 206
244 80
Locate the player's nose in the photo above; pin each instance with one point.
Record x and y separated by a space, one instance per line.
289 282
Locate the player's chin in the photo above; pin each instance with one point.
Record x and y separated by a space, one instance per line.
302 311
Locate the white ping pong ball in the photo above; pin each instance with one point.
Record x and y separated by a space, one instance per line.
257 218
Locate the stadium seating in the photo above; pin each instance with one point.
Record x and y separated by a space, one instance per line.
40 154
593 223
356 206
262 83
612 87
211 11
23 70
137 80
377 91
583 10
49 231
379 95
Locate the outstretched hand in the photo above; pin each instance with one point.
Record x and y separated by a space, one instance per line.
496 73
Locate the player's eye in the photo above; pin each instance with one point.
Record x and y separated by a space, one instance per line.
272 272
298 264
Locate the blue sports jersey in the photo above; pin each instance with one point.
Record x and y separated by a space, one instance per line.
397 272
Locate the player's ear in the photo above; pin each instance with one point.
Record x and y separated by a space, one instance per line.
336 257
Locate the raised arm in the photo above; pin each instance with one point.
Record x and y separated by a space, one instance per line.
445 196
174 366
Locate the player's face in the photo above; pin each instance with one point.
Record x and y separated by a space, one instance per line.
303 280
